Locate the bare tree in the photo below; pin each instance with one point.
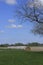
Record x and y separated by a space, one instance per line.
32 11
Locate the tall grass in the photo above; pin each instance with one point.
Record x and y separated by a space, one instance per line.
20 57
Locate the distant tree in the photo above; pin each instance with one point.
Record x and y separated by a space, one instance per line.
12 45
18 44
32 11
33 44
4 45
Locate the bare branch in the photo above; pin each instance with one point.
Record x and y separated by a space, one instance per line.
32 11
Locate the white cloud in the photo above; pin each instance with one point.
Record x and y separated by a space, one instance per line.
19 26
1 31
14 26
11 26
11 20
10 1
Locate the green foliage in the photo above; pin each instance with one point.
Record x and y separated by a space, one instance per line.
18 44
20 57
4 45
33 44
21 44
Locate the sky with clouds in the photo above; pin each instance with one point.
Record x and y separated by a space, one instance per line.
11 31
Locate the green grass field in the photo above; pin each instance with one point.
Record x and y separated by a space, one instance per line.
20 57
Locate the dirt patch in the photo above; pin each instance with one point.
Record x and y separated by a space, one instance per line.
36 48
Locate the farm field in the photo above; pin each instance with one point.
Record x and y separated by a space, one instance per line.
20 57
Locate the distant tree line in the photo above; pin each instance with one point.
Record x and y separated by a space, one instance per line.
21 44
34 44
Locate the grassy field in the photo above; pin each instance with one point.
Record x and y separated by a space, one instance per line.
20 57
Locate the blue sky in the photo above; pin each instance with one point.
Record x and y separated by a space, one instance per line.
11 31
